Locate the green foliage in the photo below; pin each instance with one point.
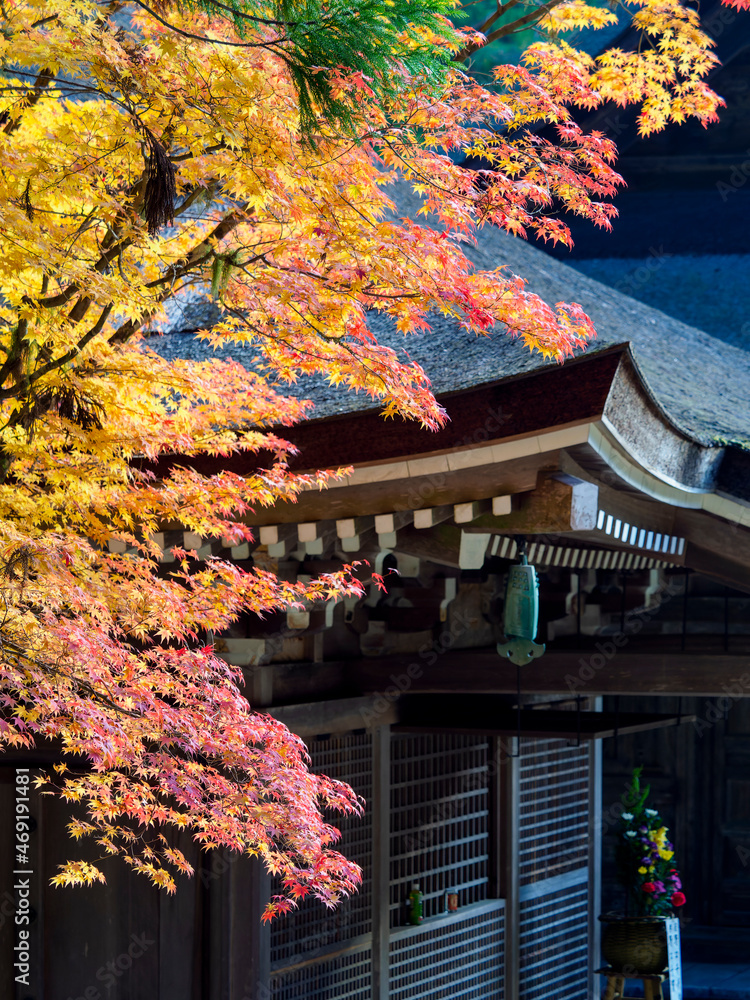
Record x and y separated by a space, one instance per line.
221 271
384 41
634 799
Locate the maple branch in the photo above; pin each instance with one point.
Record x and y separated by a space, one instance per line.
324 279
207 191
24 659
202 252
521 22
190 155
62 298
502 8
198 255
111 252
43 20
26 383
41 82
506 29
15 349
337 341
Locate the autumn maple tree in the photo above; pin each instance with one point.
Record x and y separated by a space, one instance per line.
243 151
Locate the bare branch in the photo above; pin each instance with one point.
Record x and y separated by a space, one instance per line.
506 29
502 9
522 22
205 38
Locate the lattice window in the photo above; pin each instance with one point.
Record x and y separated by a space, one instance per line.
347 977
554 945
553 808
458 958
439 820
312 927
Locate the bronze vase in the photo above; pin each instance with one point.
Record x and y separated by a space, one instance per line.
635 944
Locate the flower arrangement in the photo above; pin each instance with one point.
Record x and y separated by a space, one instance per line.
645 857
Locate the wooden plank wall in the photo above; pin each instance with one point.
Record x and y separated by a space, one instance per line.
127 939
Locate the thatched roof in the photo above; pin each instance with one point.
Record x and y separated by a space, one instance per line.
700 383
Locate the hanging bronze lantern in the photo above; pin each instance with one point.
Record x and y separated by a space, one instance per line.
521 615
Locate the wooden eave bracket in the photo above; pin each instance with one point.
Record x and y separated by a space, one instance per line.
559 503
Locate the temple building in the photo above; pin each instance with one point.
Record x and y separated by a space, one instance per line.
624 476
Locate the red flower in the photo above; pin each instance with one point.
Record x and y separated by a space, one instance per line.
678 899
648 887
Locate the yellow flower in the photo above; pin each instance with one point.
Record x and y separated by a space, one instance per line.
642 871
665 855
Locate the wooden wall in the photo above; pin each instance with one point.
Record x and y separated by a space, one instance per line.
510 834
700 779
127 939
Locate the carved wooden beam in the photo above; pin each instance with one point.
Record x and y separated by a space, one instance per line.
354 533
280 539
605 669
557 504
428 517
387 527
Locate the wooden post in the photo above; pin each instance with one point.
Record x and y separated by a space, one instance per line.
250 940
381 858
505 810
239 944
595 856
